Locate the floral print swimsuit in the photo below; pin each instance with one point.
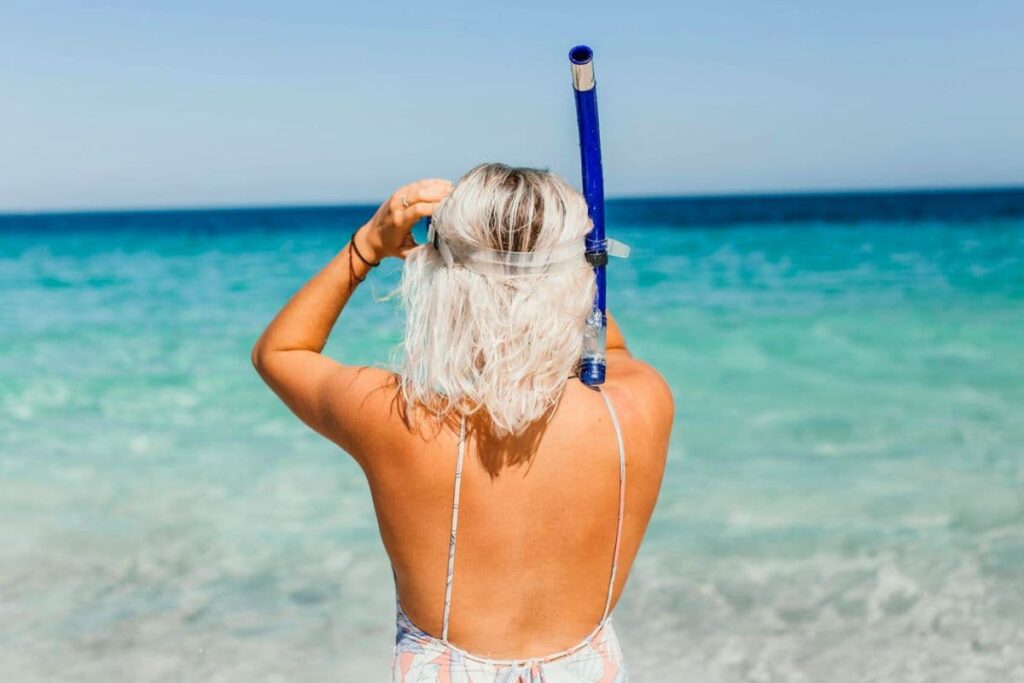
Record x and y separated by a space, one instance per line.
422 658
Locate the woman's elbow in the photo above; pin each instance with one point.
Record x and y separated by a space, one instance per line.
259 357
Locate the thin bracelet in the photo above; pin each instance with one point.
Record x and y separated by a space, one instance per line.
352 241
352 270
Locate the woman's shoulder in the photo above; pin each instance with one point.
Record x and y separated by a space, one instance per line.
639 385
643 406
641 400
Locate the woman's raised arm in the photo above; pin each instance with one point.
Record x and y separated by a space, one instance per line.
323 393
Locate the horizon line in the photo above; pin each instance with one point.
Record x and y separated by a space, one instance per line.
314 205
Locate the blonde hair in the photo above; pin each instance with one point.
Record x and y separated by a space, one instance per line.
501 341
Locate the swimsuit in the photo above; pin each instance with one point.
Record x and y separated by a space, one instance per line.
422 658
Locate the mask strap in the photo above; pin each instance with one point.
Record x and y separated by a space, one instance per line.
561 259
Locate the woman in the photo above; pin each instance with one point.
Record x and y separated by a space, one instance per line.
511 498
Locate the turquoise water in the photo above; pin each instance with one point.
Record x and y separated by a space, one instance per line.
844 499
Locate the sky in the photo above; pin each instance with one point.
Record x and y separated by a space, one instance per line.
170 104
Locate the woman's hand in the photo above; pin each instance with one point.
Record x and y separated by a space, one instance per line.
389 232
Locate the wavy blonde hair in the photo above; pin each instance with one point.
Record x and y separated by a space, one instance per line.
502 343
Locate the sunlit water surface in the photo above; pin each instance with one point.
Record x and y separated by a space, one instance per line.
843 500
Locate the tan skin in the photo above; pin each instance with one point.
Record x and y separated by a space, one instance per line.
536 527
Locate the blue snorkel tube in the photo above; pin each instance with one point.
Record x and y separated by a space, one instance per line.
581 58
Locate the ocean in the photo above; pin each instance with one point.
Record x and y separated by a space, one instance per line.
844 498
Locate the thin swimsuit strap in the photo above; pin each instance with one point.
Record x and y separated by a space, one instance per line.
455 529
455 523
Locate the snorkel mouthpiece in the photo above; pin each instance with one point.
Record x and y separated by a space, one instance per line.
581 60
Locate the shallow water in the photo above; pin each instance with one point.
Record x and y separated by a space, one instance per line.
843 500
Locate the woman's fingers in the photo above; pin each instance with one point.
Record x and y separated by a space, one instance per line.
413 214
407 246
428 190
406 218
421 209
396 217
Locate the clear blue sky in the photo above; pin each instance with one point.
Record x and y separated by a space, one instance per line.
153 104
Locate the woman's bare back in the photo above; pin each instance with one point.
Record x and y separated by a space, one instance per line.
536 537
